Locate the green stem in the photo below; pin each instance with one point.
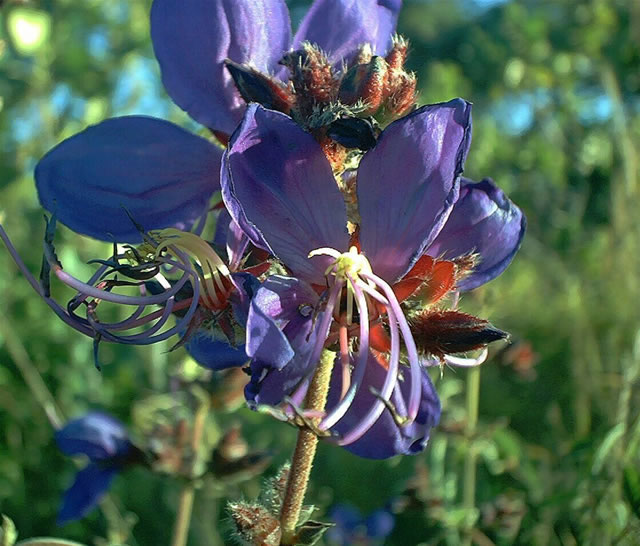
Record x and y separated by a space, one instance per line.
187 495
469 484
30 374
304 453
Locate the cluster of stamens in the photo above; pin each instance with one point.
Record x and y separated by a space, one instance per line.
174 270
369 294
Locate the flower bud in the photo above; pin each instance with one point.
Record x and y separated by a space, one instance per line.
443 332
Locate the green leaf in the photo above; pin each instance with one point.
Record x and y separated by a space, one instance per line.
311 532
602 453
8 532
631 484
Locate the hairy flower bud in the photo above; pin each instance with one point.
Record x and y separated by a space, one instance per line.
255 86
442 332
365 82
255 524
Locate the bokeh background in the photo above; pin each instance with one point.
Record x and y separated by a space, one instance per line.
553 456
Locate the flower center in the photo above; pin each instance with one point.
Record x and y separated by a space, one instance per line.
347 268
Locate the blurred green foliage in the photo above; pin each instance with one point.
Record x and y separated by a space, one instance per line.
554 457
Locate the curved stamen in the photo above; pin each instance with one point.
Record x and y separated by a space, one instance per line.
467 362
363 356
390 382
410 345
105 295
81 327
321 336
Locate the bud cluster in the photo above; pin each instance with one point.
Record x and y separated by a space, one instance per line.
342 106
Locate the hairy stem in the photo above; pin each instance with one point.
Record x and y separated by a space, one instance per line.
305 451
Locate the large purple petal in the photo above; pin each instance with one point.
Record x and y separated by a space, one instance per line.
339 27
408 184
97 435
161 174
90 485
278 186
484 221
386 439
192 38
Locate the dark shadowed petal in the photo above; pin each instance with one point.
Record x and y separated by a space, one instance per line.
97 435
485 221
90 484
339 27
163 175
213 351
229 235
191 40
278 301
278 186
408 183
386 439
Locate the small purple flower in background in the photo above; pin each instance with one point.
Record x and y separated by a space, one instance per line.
352 529
104 440
407 207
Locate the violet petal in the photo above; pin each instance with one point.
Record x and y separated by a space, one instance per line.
484 220
191 40
340 27
161 174
386 439
278 186
213 351
96 435
278 301
90 484
408 183
269 385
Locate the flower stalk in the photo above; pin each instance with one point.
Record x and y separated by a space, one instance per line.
305 450
187 495
469 483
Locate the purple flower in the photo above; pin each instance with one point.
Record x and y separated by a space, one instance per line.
157 172
352 529
408 202
192 40
105 441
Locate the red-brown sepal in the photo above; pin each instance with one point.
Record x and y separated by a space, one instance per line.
254 86
446 332
429 279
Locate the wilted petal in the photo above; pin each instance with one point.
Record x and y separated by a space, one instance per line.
339 27
408 184
90 485
278 186
213 351
191 40
386 439
163 175
97 435
278 301
484 221
269 385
